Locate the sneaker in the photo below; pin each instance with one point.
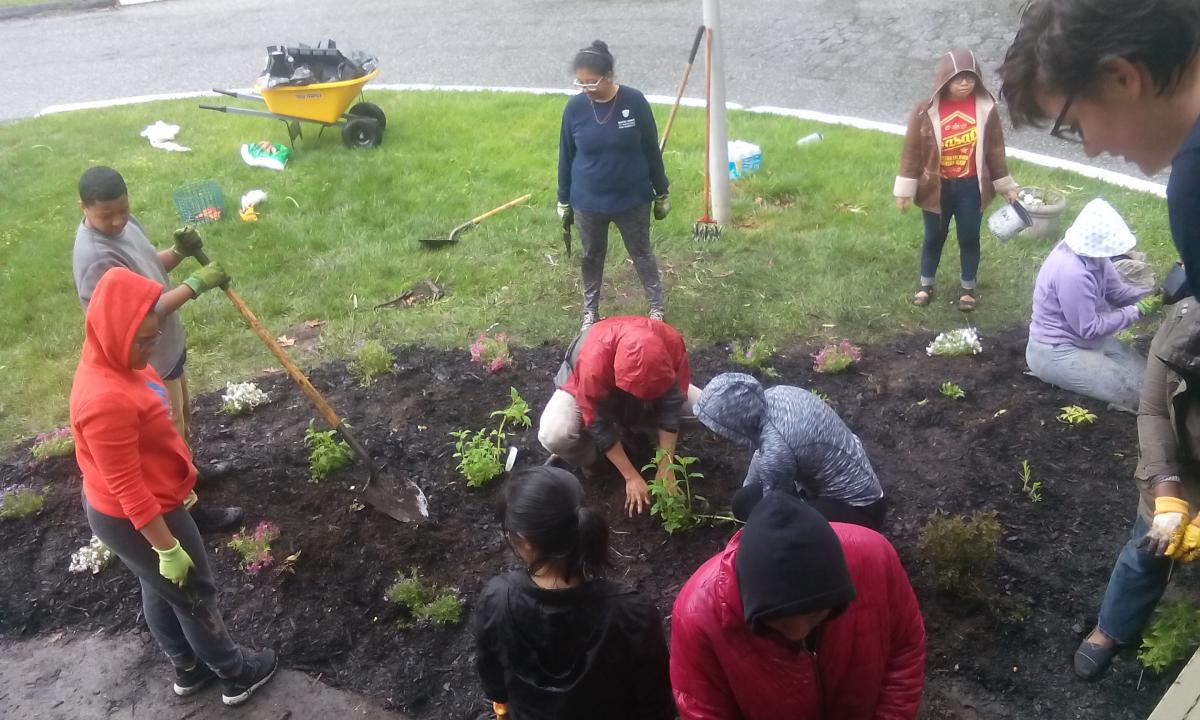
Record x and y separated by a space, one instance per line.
658 314
589 319
213 520
1092 659
193 680
257 669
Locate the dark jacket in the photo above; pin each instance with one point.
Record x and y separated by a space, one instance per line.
799 442
920 175
592 651
627 372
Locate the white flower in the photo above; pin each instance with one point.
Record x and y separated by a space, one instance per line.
241 398
964 341
94 556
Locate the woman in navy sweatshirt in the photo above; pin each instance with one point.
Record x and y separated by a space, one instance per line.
610 170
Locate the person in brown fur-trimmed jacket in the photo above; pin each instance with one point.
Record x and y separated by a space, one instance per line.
952 166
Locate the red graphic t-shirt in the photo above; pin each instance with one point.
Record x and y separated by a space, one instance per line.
959 133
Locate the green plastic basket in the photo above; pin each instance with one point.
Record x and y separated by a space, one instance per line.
200 203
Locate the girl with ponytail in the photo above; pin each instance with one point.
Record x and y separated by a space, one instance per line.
555 639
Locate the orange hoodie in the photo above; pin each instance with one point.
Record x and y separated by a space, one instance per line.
135 464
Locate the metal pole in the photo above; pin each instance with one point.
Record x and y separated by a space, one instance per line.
718 132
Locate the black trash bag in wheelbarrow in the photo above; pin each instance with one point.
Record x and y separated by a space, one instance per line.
305 65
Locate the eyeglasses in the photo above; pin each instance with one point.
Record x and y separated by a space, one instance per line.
1070 133
588 86
147 344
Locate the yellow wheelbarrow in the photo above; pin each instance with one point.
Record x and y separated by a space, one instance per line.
322 103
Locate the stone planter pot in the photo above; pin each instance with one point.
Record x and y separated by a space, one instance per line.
1044 208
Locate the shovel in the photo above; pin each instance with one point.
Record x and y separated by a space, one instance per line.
402 500
440 242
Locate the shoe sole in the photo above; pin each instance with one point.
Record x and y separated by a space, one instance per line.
234 700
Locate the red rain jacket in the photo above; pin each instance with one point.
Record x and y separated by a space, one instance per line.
135 464
869 662
641 356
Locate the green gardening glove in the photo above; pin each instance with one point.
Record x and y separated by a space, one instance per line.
1148 304
187 242
206 278
662 206
174 564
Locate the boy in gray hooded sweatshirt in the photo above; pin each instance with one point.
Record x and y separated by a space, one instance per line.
800 446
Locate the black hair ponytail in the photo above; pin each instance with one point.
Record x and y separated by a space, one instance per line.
594 557
595 57
544 505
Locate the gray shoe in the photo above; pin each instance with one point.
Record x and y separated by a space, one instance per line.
589 319
257 668
1091 660
658 314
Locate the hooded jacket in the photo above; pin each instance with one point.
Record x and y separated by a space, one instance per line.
135 464
592 651
1081 301
920 176
624 369
866 663
800 444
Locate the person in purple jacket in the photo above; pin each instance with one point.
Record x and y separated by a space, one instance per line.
1079 304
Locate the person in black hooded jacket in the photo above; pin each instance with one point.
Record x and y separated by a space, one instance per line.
556 640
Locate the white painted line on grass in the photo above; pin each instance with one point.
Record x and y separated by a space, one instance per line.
1109 176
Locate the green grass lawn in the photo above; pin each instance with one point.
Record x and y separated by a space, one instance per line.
818 248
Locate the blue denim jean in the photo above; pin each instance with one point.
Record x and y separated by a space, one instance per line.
960 201
1137 584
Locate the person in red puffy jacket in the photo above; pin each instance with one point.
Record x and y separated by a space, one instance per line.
622 375
798 618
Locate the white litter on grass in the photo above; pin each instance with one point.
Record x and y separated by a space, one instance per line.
162 136
254 197
94 557
963 341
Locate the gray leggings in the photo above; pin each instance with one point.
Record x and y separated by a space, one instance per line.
185 622
1111 373
634 226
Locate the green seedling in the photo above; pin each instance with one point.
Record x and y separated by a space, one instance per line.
953 391
1076 415
1171 637
820 396
481 454
755 354
426 603
1031 488
371 362
672 498
20 502
326 454
959 549
57 443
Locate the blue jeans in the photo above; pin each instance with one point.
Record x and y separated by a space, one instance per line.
1137 584
961 201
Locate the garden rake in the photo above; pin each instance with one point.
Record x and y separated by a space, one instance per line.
400 499
687 72
706 228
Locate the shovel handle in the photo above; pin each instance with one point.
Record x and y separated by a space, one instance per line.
502 208
687 72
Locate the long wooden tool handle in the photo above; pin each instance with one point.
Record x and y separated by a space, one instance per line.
687 71
502 208
707 117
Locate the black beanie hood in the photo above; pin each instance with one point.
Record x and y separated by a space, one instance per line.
790 562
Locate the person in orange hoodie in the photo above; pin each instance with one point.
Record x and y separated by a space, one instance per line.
136 473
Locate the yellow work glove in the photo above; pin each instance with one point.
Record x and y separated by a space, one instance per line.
1189 549
174 564
501 710
1165 535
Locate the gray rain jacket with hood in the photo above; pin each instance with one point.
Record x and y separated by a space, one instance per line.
800 444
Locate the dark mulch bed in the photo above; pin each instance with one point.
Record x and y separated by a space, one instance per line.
330 617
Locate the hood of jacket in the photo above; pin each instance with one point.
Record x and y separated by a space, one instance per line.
642 365
951 64
119 305
734 406
790 562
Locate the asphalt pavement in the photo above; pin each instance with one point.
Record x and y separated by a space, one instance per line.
866 58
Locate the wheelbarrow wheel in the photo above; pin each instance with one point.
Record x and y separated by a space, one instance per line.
361 133
369 110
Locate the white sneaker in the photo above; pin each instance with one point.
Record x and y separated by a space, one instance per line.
658 314
589 319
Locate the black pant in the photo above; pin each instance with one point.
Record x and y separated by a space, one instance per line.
961 201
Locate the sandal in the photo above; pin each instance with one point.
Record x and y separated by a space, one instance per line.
966 302
1091 660
923 296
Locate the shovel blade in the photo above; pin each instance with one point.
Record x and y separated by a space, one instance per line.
437 242
399 499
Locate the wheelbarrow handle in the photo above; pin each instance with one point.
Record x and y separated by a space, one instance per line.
218 108
296 374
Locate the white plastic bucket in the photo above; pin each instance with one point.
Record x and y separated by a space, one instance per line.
1009 220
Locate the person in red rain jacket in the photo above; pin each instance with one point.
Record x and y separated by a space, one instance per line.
621 375
798 618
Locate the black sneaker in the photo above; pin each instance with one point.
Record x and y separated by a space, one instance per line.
213 520
193 680
257 669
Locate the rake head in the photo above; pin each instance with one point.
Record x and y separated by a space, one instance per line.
705 229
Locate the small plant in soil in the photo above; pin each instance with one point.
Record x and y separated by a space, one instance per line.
820 396
480 454
1032 488
371 362
672 498
1076 415
20 501
426 603
255 547
963 341
56 443
836 358
1172 635
241 398
1126 336
492 352
953 391
754 354
326 454
959 549
91 558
